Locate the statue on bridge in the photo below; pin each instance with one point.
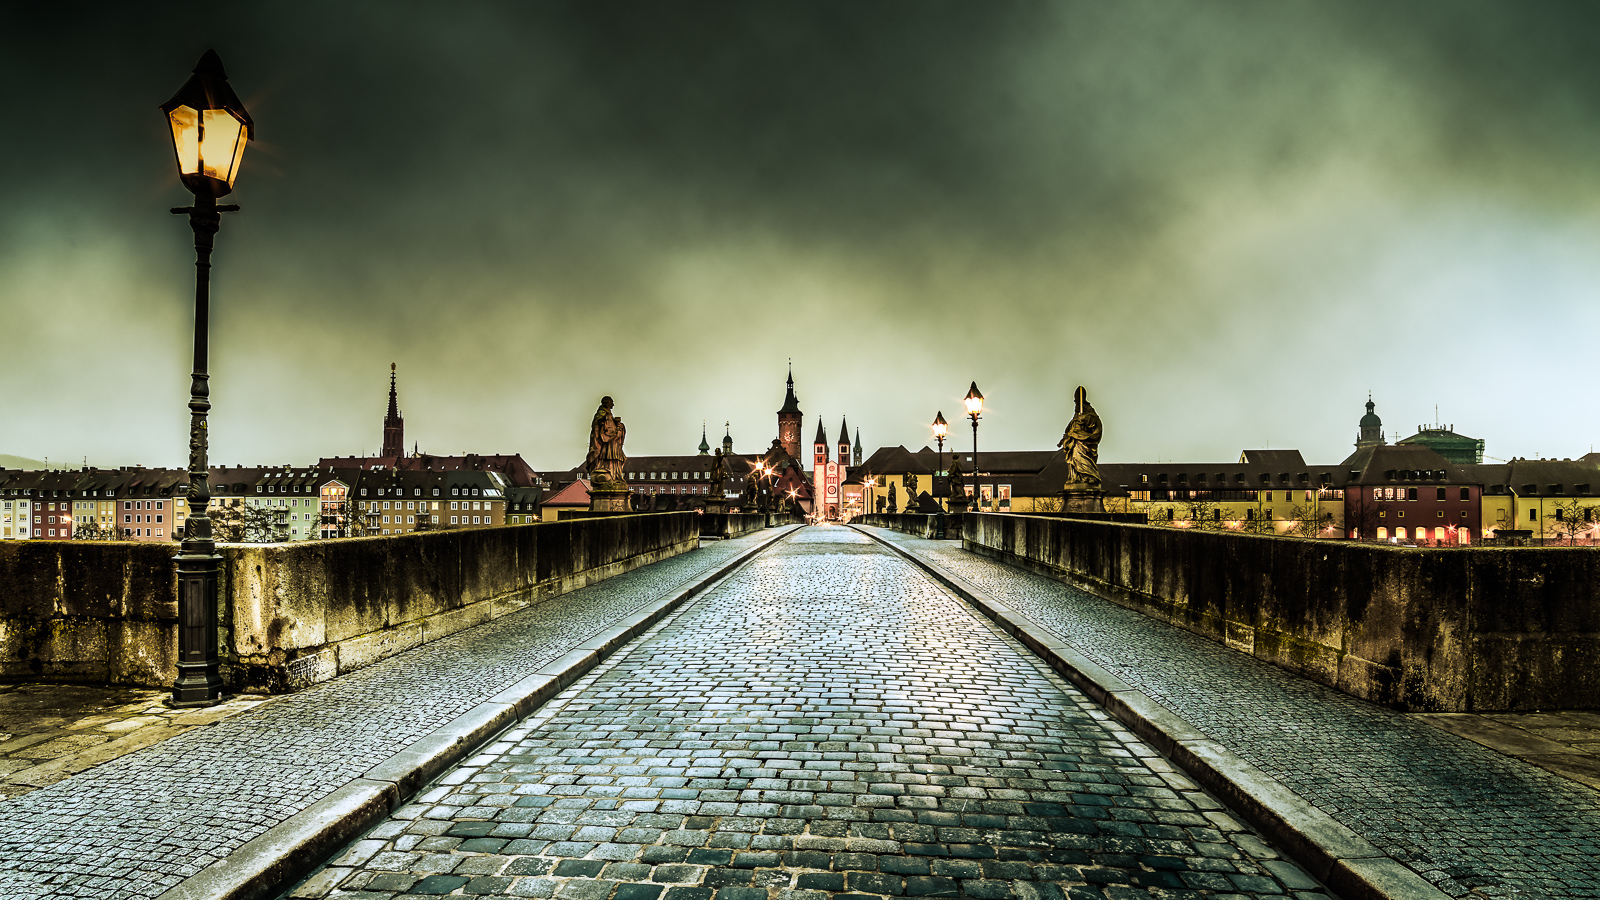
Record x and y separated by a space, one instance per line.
719 472
1084 491
911 491
958 488
1081 444
608 490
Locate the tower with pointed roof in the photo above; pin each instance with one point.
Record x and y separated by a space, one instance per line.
789 418
844 442
394 427
705 448
727 438
857 460
827 475
1371 433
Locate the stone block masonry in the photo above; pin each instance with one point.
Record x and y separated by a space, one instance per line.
296 614
1431 630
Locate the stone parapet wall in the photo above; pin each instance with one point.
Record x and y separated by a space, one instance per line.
1454 630
919 524
297 614
88 611
731 525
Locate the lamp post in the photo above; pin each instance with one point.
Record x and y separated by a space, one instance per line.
974 402
941 429
209 130
870 482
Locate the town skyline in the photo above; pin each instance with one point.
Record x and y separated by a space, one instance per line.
1230 223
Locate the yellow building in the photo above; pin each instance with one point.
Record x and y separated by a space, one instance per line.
1553 500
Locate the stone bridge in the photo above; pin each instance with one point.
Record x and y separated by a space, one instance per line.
811 711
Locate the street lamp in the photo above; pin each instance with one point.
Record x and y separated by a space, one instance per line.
209 130
941 429
974 402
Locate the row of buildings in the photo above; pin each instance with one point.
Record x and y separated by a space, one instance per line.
1432 487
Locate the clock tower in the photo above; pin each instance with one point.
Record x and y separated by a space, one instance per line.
789 421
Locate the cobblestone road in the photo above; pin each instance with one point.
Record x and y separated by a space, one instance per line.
1470 820
826 722
138 825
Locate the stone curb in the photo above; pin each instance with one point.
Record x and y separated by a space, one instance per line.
1343 860
294 847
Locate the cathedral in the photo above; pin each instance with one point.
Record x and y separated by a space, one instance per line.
826 491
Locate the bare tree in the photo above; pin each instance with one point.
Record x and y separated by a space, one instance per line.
1570 520
94 531
1203 512
1048 504
247 524
1308 520
347 518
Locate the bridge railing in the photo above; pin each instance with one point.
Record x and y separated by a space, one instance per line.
1425 629
295 614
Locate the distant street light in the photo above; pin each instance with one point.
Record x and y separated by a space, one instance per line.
974 402
941 429
209 130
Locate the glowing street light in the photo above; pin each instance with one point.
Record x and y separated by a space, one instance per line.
209 130
941 429
974 402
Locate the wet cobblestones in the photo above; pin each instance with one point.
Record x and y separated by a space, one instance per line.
828 722
1470 820
138 825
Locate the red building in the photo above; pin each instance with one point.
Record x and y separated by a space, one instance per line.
1410 493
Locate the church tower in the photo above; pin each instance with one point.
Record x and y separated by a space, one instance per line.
394 427
857 461
844 442
825 477
727 438
1371 433
789 421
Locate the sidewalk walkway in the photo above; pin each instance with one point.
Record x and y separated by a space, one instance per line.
1468 819
140 824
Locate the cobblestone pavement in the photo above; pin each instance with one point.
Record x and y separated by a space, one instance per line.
1470 820
826 722
137 825
50 732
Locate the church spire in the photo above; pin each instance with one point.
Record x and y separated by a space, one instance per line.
857 461
791 403
394 427
705 448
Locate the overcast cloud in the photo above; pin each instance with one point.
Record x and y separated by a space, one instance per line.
1229 221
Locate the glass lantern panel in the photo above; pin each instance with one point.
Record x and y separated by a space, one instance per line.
186 138
221 145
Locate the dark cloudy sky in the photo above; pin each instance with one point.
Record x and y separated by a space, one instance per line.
1230 221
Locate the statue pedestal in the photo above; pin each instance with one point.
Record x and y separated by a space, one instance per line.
1083 498
716 506
615 499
